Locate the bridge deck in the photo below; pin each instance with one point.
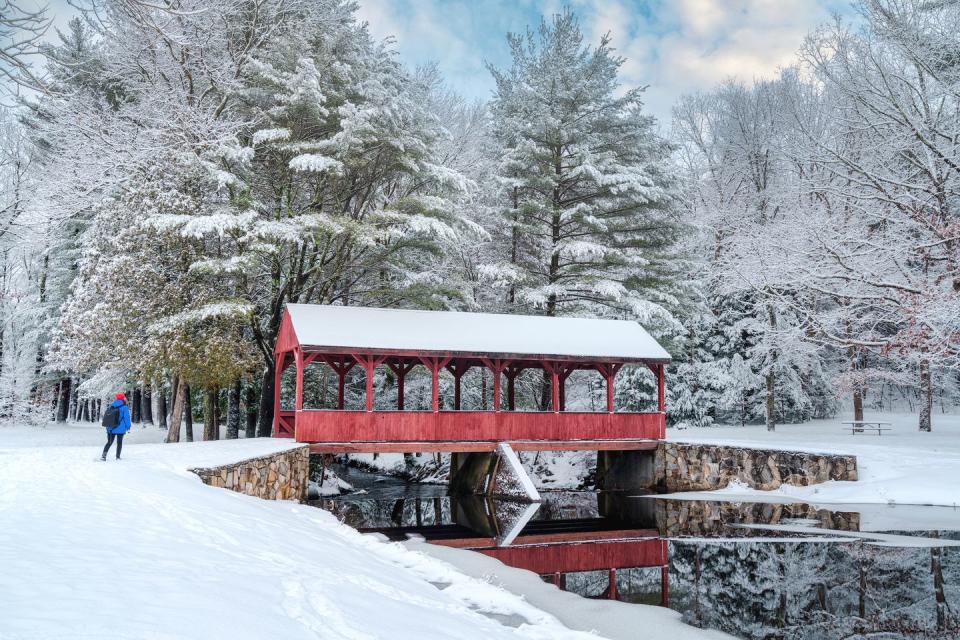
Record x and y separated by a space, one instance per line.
470 446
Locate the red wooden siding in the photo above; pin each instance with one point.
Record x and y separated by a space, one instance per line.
587 556
286 337
398 426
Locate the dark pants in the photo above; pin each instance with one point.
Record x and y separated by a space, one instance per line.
110 437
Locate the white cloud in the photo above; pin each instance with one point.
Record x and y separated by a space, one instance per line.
692 45
674 46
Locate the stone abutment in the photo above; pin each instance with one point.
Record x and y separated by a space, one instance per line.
283 475
678 466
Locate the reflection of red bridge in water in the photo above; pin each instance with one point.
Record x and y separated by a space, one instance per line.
556 548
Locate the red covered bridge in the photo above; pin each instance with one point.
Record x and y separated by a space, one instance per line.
505 345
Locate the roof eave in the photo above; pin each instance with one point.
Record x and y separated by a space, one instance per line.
426 353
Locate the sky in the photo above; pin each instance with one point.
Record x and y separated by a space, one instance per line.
671 46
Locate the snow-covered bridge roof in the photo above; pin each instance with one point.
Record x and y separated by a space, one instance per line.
328 328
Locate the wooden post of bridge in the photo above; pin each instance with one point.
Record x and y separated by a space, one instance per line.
554 369
457 369
512 371
612 584
435 365
665 585
609 373
278 366
497 367
401 369
369 364
661 390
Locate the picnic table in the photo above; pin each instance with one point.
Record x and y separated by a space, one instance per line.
862 426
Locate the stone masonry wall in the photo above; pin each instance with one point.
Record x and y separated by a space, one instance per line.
278 476
699 518
702 467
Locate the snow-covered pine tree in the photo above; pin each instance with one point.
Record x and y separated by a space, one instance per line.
587 186
353 199
586 190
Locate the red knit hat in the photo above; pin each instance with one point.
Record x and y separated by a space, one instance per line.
120 396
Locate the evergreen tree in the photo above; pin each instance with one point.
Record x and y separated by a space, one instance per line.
587 185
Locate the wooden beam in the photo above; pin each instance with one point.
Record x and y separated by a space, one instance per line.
298 358
369 364
480 446
661 390
512 372
457 369
435 365
497 367
530 358
400 369
277 375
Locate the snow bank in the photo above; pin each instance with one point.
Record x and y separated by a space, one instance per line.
903 466
141 548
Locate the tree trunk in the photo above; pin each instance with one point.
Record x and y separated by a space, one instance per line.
137 402
265 423
939 593
85 410
926 395
188 413
771 401
176 412
75 401
210 414
233 412
55 400
862 586
251 431
772 378
161 407
217 414
146 404
857 403
63 400
855 368
174 390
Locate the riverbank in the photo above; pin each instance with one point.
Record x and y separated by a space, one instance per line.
903 466
142 548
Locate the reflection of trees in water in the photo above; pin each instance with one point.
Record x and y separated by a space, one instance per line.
815 590
567 505
400 512
589 584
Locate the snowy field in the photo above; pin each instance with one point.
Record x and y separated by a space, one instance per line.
903 466
142 549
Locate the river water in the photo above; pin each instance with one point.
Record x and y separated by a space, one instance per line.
754 570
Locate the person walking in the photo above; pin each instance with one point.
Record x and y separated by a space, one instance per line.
116 420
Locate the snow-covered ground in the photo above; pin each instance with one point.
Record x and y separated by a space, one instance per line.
142 549
903 466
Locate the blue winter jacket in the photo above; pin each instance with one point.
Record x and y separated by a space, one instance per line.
124 424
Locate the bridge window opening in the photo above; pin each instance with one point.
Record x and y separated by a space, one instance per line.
585 391
532 392
321 387
402 385
635 389
288 388
477 390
